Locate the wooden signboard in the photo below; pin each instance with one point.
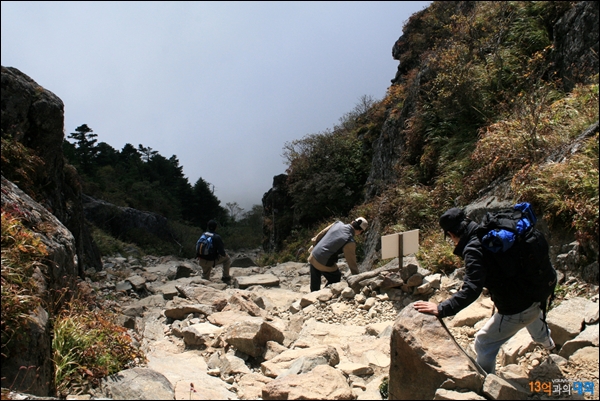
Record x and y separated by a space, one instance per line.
400 244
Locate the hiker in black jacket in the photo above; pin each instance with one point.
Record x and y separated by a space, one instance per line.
515 311
207 263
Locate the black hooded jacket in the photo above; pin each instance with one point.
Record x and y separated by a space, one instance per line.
481 271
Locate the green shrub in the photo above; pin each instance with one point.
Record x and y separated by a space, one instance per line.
88 345
326 174
107 244
22 251
436 254
529 135
567 192
384 388
22 166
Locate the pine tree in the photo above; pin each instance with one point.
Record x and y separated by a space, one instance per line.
86 149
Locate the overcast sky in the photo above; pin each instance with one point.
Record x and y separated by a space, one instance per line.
221 85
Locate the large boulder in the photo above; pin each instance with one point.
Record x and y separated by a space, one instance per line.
424 355
137 384
566 321
251 337
321 383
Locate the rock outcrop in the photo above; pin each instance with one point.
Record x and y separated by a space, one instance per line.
576 44
34 117
124 222
278 214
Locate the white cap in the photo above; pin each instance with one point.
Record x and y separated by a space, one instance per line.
363 223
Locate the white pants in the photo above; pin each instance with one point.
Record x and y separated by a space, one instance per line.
500 328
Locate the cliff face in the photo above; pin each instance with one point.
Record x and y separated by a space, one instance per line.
575 43
34 117
573 29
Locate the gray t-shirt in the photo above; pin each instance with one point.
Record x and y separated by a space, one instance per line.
330 246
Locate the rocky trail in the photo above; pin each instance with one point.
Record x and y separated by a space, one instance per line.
265 336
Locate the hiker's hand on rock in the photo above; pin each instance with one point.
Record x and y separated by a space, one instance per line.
426 307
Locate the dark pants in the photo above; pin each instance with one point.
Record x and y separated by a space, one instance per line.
315 278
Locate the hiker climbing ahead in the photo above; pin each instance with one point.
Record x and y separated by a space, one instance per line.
327 247
210 252
518 276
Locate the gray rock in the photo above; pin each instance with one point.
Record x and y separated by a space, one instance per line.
303 365
243 262
184 271
443 394
200 333
123 286
348 293
424 355
588 337
566 320
180 311
499 389
231 365
137 384
408 271
357 369
251 337
415 280
321 383
265 280
133 311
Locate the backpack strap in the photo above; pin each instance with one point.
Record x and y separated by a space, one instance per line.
211 235
544 306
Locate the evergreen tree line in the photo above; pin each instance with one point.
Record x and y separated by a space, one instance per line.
143 179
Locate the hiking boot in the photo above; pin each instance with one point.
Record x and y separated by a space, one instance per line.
226 279
548 344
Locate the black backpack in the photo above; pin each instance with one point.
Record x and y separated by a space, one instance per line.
521 251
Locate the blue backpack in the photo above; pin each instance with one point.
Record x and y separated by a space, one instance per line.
500 230
520 251
205 248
